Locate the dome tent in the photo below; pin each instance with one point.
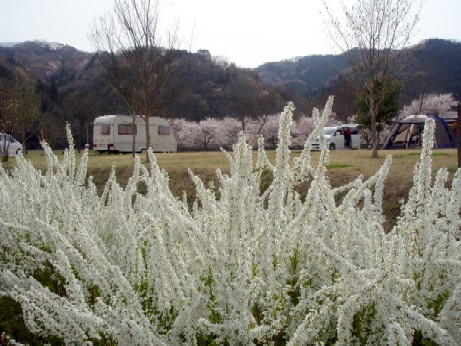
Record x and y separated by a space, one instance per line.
407 133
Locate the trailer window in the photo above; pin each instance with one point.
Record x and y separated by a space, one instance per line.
126 129
163 130
105 129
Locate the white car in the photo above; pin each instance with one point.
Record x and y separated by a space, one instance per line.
335 137
14 147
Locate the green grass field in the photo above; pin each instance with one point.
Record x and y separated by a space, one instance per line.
356 160
344 167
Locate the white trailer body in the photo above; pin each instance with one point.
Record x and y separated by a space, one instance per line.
114 133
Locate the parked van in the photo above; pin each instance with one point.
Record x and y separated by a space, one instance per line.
114 133
7 141
336 140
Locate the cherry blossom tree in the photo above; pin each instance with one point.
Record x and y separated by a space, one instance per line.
206 138
301 129
227 132
185 132
438 104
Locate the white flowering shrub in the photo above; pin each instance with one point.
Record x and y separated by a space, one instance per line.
240 266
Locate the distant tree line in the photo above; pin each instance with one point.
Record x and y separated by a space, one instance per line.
213 88
77 91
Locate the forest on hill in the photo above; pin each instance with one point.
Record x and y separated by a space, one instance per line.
73 88
430 67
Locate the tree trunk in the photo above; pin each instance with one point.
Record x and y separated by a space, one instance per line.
243 123
374 130
133 143
4 149
148 144
24 144
80 136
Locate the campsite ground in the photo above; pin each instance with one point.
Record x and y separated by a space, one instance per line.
344 167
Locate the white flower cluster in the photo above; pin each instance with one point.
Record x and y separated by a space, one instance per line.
242 266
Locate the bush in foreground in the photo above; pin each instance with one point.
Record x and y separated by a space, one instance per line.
241 266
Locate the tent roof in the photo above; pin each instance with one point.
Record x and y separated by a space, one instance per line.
406 133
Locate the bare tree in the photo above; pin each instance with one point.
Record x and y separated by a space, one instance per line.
141 64
372 35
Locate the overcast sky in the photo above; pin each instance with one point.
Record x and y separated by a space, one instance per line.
246 32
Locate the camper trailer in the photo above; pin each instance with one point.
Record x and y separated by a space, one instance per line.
114 133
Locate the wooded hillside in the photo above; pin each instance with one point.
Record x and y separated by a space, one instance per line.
73 87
